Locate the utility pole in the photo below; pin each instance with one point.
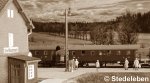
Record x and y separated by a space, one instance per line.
66 41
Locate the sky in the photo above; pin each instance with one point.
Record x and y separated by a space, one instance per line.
82 10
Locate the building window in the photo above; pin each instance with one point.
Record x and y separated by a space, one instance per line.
10 13
92 52
128 52
36 53
45 53
83 52
118 52
109 52
73 52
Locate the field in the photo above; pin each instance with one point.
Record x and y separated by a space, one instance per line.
50 40
46 39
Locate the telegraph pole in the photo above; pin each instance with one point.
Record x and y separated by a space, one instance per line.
66 41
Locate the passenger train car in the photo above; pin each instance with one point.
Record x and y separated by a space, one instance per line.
87 54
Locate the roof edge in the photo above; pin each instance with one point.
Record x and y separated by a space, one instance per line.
24 16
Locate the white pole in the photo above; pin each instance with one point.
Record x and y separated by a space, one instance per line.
66 41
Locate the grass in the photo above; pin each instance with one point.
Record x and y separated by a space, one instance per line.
99 77
46 39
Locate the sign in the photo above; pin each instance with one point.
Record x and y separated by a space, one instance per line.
10 48
30 72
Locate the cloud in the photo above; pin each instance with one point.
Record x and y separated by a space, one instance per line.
88 10
139 5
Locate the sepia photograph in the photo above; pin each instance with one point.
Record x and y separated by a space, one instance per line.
74 41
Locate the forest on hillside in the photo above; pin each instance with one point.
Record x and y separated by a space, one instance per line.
127 27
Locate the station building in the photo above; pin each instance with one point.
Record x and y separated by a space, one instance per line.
15 27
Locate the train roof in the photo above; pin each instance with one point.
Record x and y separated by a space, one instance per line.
89 47
42 47
103 47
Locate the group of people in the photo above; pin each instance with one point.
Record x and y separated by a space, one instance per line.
136 64
74 65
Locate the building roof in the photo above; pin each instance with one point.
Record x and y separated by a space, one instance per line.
3 4
89 47
103 47
24 58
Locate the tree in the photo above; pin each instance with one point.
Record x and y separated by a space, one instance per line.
128 30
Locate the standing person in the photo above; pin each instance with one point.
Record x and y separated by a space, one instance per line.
97 65
136 63
126 64
76 64
73 64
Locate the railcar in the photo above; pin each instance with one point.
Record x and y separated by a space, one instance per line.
104 53
45 53
87 54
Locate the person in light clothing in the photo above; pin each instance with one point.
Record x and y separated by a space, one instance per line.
97 65
139 65
136 63
76 64
126 64
71 63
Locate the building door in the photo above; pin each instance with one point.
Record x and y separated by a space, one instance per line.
16 74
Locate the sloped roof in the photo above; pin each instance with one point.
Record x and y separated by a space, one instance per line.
103 47
42 47
2 4
89 47
24 58
18 6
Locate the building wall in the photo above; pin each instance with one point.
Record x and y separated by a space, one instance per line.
16 26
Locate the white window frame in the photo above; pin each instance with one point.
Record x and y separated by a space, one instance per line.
10 13
73 52
118 52
45 53
100 53
36 52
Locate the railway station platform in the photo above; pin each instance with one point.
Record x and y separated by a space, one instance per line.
58 75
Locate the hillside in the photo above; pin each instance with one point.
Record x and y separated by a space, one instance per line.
50 40
46 39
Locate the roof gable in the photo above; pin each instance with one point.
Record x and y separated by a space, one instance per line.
20 11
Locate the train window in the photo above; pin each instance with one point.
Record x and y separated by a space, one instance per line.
92 52
118 52
45 53
109 52
100 52
83 52
128 52
73 52
36 53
